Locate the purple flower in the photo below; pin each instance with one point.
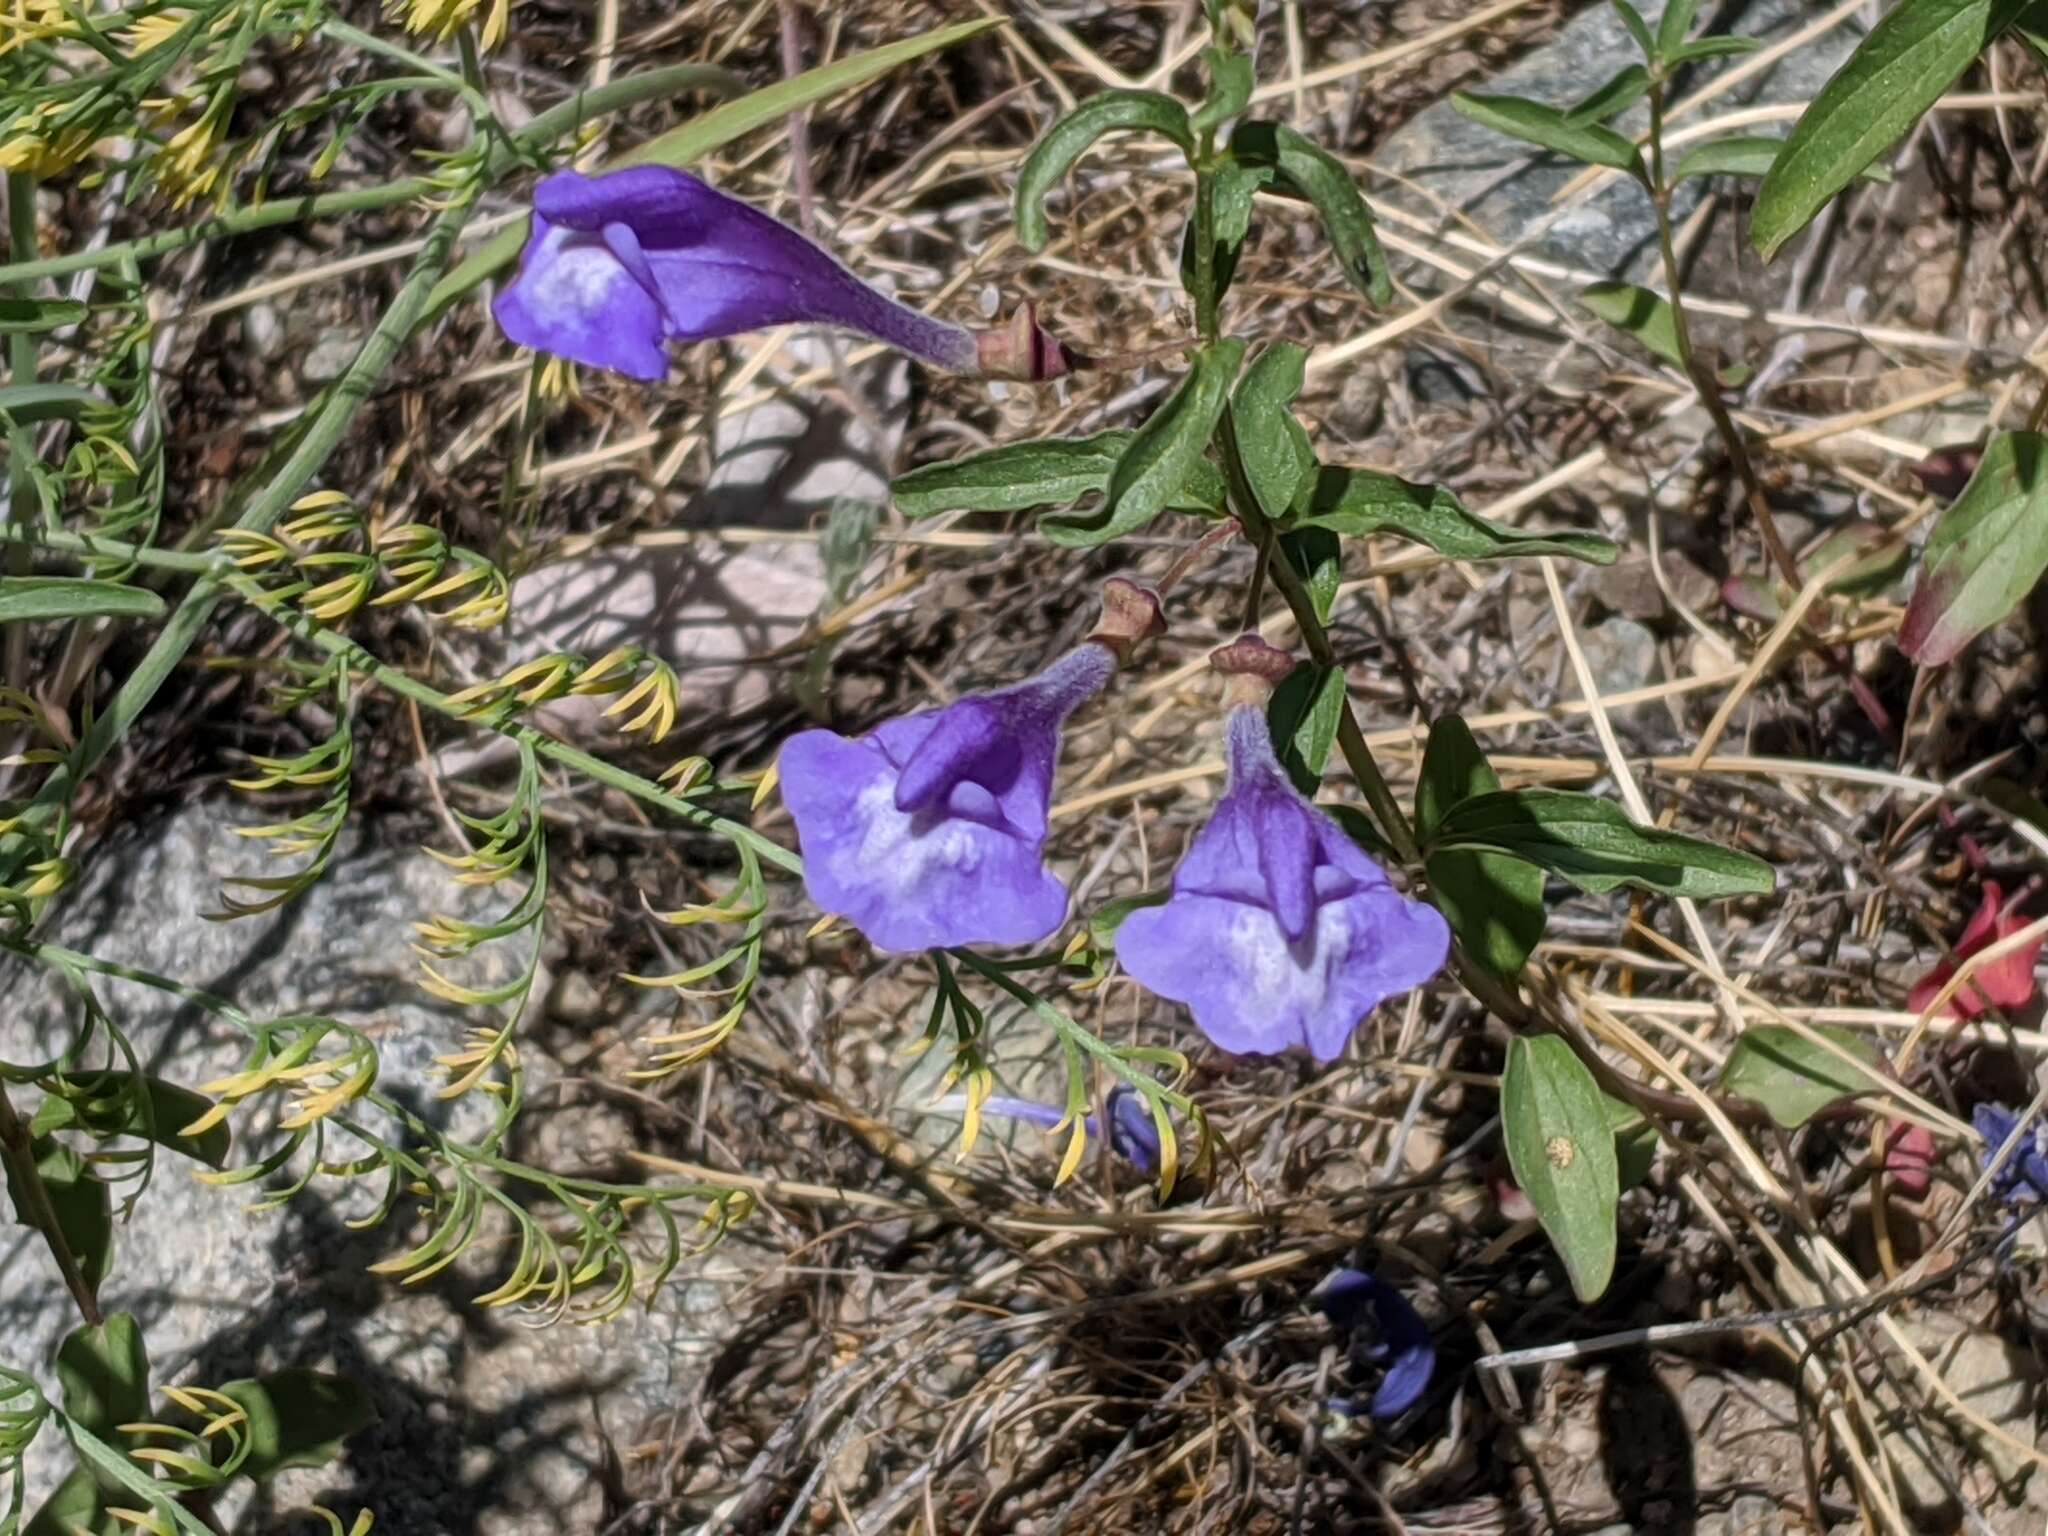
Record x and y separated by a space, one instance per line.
929 830
1385 1331
1132 1135
2024 1175
1280 931
621 264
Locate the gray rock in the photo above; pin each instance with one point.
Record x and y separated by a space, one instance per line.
1506 186
486 1423
1995 1378
328 358
1621 653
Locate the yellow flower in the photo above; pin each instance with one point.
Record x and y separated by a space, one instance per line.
147 32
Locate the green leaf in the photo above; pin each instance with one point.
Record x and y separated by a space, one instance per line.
1624 90
1162 456
1672 26
1493 902
1520 118
29 316
131 1482
1358 502
1632 19
1792 1078
1592 843
844 546
1561 1149
1641 313
1360 829
1304 168
1073 135
78 1504
26 405
711 130
1743 155
1108 919
104 1374
1302 720
26 598
1711 48
1272 445
84 1211
1234 184
121 1104
1318 555
1911 56
1051 472
1985 554
1635 1142
298 1418
1230 89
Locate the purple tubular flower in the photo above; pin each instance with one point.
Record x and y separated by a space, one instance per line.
1386 1331
621 264
1280 931
929 831
2024 1175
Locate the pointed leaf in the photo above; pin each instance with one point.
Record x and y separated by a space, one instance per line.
1273 446
1711 48
1161 457
1493 902
1986 553
1532 121
1561 1149
1052 472
1236 182
1791 1077
29 316
1311 172
1592 843
1302 719
25 405
1357 502
1672 26
298 1418
1638 311
1230 89
1914 53
118 1104
1318 555
1072 137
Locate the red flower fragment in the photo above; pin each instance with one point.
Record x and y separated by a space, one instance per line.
2008 982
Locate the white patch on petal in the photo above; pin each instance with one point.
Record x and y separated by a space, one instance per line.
1277 982
579 281
892 857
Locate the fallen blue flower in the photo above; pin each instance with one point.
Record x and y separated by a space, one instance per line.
2023 1177
1281 931
621 264
1132 1135
1385 1330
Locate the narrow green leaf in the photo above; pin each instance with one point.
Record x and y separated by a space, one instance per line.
1272 445
1792 1078
1235 183
1493 902
1911 56
1230 89
298 1418
1358 502
121 1104
78 1504
1306 169
1051 472
1072 137
1592 843
1744 155
84 1211
1635 1142
712 130
1532 121
29 316
1638 311
1302 720
1672 26
131 1483
26 598
1624 90
1632 19
1711 48
26 405
1161 457
1986 553
1561 1150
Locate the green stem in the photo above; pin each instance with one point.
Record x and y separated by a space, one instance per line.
1707 388
21 442
1208 302
33 1205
